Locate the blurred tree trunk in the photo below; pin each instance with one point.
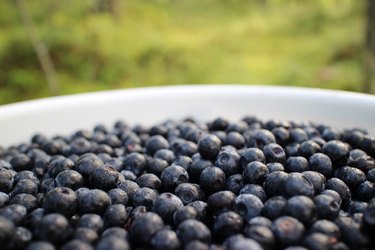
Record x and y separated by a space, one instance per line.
369 58
39 47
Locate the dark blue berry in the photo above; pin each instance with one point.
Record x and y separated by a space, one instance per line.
69 178
93 201
250 155
209 146
149 180
352 177
86 234
184 213
235 183
228 161
340 187
248 206
259 138
40 245
227 224
221 201
118 196
53 227
130 187
282 135
144 197
212 179
302 208
274 153
261 234
135 162
255 172
190 230
327 207
188 192
165 239
144 227
274 207
156 142
296 164
317 179
7 231
6 180
298 135
235 139
325 227
61 200
337 151
30 202
365 191
172 176
275 166
21 162
115 216
254 189
298 184
92 221
165 205
275 183
309 148
288 230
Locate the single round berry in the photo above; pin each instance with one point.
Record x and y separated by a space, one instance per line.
228 161
172 176
165 205
53 227
298 184
165 239
248 206
288 230
296 164
190 230
255 172
250 155
188 192
274 153
61 200
144 227
227 224
209 146
212 179
337 151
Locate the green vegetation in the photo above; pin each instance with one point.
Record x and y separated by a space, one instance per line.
275 42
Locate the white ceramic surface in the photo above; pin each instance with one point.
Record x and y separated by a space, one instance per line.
62 115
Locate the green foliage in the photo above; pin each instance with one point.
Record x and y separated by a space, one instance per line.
303 43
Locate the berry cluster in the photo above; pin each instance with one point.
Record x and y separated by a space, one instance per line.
189 185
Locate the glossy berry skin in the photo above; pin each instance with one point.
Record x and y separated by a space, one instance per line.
156 142
317 179
87 164
118 232
229 161
275 183
145 197
298 184
250 155
336 196
130 187
29 201
104 178
248 206
317 241
6 180
92 221
184 213
321 163
255 172
21 162
365 191
298 135
363 163
325 227
296 164
196 168
261 234
25 186
288 230
227 224
337 151
212 179
256 190
183 161
209 146
302 208
135 162
115 216
260 221
4 199
242 243
327 207
281 135
58 165
235 183
93 201
221 201
188 192
274 207
156 166
149 180
235 139
22 237
259 138
165 205
114 243
144 227
7 230
309 148
352 177
165 154
190 230
165 239
61 200
275 166
40 245
351 233
340 187
118 196
196 245
85 234
53 227
172 176
274 153
70 179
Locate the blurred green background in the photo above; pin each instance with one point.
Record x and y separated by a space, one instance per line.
96 44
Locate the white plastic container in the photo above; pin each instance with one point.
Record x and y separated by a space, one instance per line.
65 114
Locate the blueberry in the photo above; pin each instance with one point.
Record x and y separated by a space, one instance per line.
228 161
255 172
357 207
337 151
118 232
292 149
365 191
351 233
6 180
165 239
321 163
188 192
156 142
275 166
165 154
325 227
250 155
104 178
209 146
298 184
25 186
172 176
130 187
196 168
118 196
144 227
309 148
336 196
260 221
298 135
219 124
248 206
274 153
7 230
183 161
221 201
340 187
112 243
40 245
317 241
288 230
212 179
196 245
21 238
145 197
317 179
296 164
363 163
149 180
282 135
235 183
156 166
327 207
135 162
190 230
115 216
58 165
352 177
21 162
87 164
244 243
184 213
371 175
259 138
261 234
91 221
29 201
227 224
61 200
183 147
53 227
4 199
256 190
165 205
93 201
235 139
275 183
201 208
69 178
86 234
302 208
274 207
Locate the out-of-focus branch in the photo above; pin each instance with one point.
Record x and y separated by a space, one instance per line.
39 47
369 57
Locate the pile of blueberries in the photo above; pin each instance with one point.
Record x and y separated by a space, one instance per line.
190 185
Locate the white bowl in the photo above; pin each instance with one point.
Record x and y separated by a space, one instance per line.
63 115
